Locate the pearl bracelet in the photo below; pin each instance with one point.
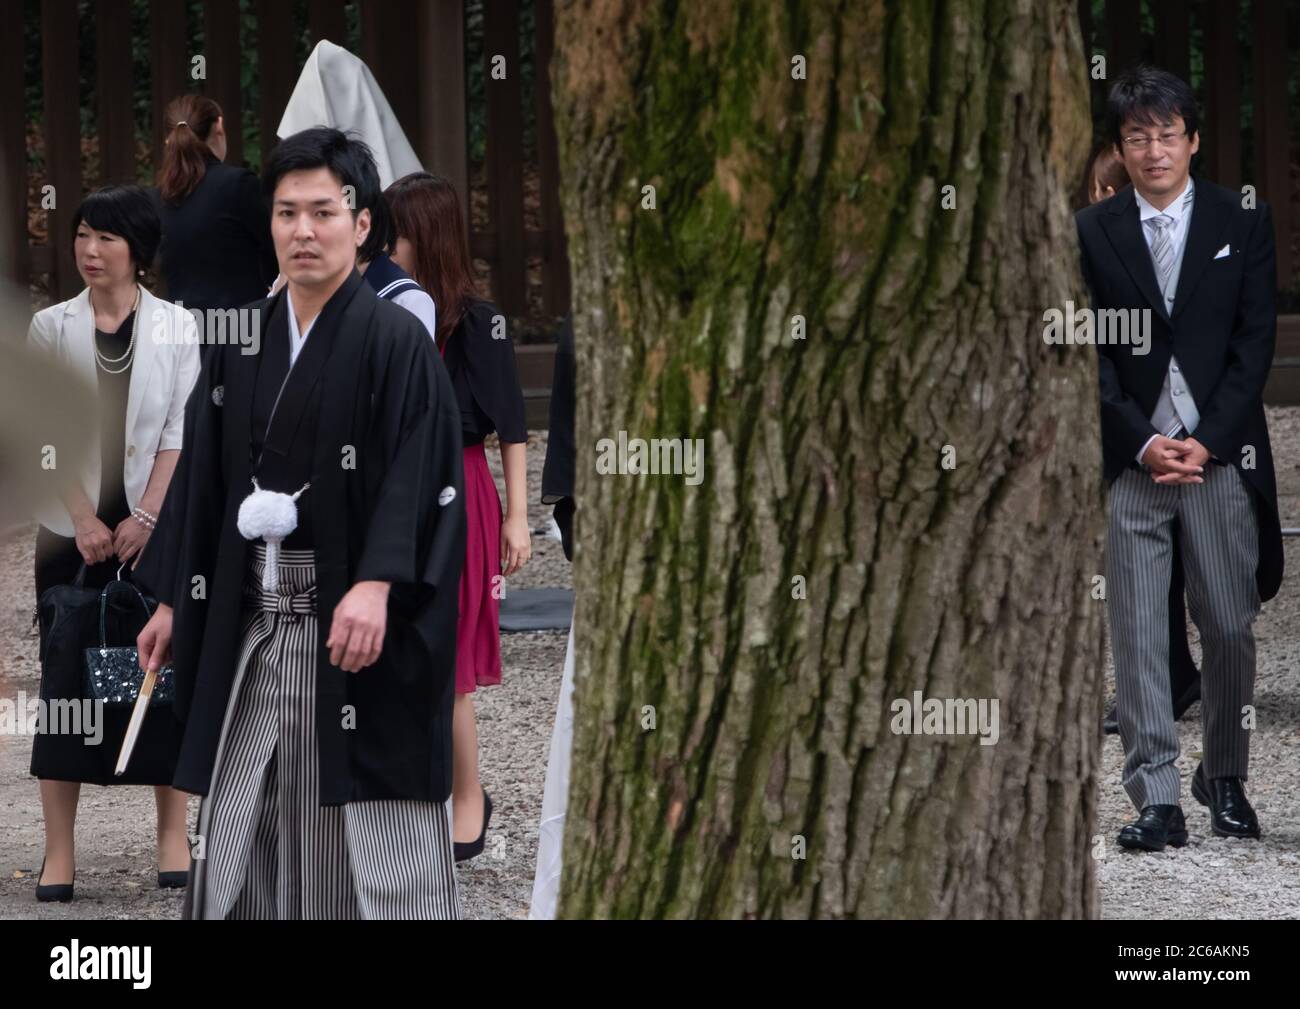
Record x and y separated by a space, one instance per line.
144 518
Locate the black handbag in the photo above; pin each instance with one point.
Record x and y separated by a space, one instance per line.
64 611
113 673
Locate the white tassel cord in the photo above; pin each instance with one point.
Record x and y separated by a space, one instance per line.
271 516
271 572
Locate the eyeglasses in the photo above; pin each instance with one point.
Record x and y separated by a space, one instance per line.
1166 140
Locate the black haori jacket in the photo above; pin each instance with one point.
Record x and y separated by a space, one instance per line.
1222 329
384 397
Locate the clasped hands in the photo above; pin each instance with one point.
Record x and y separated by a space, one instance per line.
1176 462
97 543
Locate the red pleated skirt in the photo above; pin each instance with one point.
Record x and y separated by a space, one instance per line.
478 630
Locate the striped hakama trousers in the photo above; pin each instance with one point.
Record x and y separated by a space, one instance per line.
1219 539
270 850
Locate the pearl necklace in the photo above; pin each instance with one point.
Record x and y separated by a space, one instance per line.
104 360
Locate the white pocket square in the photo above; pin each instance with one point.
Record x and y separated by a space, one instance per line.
1223 252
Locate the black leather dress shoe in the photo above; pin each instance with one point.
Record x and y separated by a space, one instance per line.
1156 827
1110 720
1231 814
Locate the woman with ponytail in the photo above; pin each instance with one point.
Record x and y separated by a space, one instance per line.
216 249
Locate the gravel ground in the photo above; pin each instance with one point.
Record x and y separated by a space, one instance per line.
116 858
1210 878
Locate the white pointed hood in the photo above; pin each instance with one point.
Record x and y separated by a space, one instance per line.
337 89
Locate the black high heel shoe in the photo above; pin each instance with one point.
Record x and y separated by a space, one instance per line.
465 850
176 880
60 893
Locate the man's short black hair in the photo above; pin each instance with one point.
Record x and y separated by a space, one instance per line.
348 159
382 234
1150 97
126 211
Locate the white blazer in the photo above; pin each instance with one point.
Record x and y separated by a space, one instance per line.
163 371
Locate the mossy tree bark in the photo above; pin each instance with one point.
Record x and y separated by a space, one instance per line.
822 197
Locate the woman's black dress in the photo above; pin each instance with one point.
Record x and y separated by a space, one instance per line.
67 757
216 250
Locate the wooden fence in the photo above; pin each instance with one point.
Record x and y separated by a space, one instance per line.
416 50
1228 71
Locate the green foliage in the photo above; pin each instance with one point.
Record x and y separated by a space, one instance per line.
475 74
249 86
32 73
476 57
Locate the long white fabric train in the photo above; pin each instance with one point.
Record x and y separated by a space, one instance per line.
555 797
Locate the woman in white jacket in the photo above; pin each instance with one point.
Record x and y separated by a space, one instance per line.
140 355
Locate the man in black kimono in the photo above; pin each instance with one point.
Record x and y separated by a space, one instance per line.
315 676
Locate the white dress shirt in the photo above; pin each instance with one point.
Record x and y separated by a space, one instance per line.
1182 216
296 339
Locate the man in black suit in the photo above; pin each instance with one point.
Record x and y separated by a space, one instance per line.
1185 444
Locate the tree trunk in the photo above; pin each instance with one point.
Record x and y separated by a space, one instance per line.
822 197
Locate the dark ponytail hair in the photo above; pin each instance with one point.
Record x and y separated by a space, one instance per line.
188 121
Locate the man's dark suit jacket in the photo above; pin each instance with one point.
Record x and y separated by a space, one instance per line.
1222 330
216 248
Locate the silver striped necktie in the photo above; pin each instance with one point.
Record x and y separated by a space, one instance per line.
1162 247
1162 253
1162 250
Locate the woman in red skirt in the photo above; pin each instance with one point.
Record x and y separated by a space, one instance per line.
432 246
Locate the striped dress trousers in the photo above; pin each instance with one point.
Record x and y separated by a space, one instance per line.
1220 552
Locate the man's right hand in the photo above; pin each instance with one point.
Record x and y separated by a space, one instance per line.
1164 457
154 645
